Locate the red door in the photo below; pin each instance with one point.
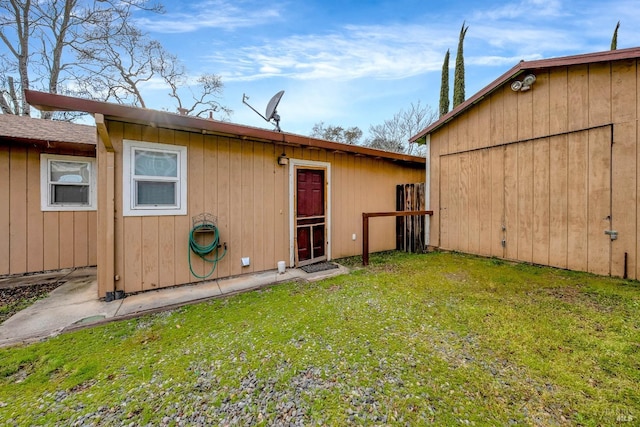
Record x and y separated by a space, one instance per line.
310 215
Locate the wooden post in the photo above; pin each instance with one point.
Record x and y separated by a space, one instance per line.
365 239
106 211
365 227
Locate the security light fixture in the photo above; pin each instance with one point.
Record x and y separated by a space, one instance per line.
283 160
524 85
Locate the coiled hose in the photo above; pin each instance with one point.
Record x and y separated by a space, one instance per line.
203 250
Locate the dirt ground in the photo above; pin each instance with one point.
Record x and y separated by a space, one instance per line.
18 298
18 292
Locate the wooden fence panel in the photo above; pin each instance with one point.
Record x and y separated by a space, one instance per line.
410 229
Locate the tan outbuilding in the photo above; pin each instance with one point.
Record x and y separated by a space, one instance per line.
166 181
47 211
542 166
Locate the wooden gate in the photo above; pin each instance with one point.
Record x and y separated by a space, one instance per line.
410 229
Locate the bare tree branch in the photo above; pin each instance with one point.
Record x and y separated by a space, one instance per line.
18 21
394 133
13 94
62 29
350 135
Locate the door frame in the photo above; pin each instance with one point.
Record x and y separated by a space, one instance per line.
295 164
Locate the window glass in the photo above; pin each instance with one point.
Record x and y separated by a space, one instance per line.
156 193
154 179
154 163
67 183
69 172
66 194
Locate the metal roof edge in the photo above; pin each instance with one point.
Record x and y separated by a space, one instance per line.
587 58
48 102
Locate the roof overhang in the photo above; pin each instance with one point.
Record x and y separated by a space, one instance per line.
47 134
522 67
117 112
45 145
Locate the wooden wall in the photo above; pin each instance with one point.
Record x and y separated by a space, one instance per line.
538 176
240 182
32 240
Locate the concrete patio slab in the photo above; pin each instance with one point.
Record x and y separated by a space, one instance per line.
75 304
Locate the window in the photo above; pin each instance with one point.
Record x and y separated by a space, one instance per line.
67 183
155 179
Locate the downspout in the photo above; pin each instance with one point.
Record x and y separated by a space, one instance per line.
427 189
106 215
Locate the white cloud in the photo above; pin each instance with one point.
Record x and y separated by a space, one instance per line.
514 39
348 74
493 61
220 14
268 69
387 52
390 52
555 27
521 29
524 9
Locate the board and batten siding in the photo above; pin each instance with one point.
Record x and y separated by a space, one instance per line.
538 176
32 240
241 183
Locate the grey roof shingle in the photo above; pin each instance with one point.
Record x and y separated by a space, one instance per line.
27 128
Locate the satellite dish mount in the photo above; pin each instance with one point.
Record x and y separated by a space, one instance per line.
271 113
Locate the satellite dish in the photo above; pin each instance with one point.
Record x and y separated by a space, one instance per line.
270 113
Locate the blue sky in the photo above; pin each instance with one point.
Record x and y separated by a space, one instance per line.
357 63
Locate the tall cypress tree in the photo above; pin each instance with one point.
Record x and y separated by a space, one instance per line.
444 86
458 79
614 40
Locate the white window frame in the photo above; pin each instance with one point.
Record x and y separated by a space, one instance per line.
129 179
46 203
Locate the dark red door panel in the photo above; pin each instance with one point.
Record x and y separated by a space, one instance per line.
304 244
310 215
318 240
310 193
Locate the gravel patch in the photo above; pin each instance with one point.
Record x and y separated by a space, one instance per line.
272 402
17 298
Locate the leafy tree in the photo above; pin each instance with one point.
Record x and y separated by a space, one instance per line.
89 48
350 135
444 86
458 79
614 39
395 132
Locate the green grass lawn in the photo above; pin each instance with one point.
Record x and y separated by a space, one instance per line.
444 339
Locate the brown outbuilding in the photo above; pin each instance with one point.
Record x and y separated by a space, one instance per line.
166 181
47 206
542 166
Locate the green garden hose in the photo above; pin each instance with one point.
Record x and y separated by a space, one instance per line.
203 250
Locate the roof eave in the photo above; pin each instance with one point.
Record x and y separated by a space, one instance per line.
46 144
53 102
523 66
479 96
